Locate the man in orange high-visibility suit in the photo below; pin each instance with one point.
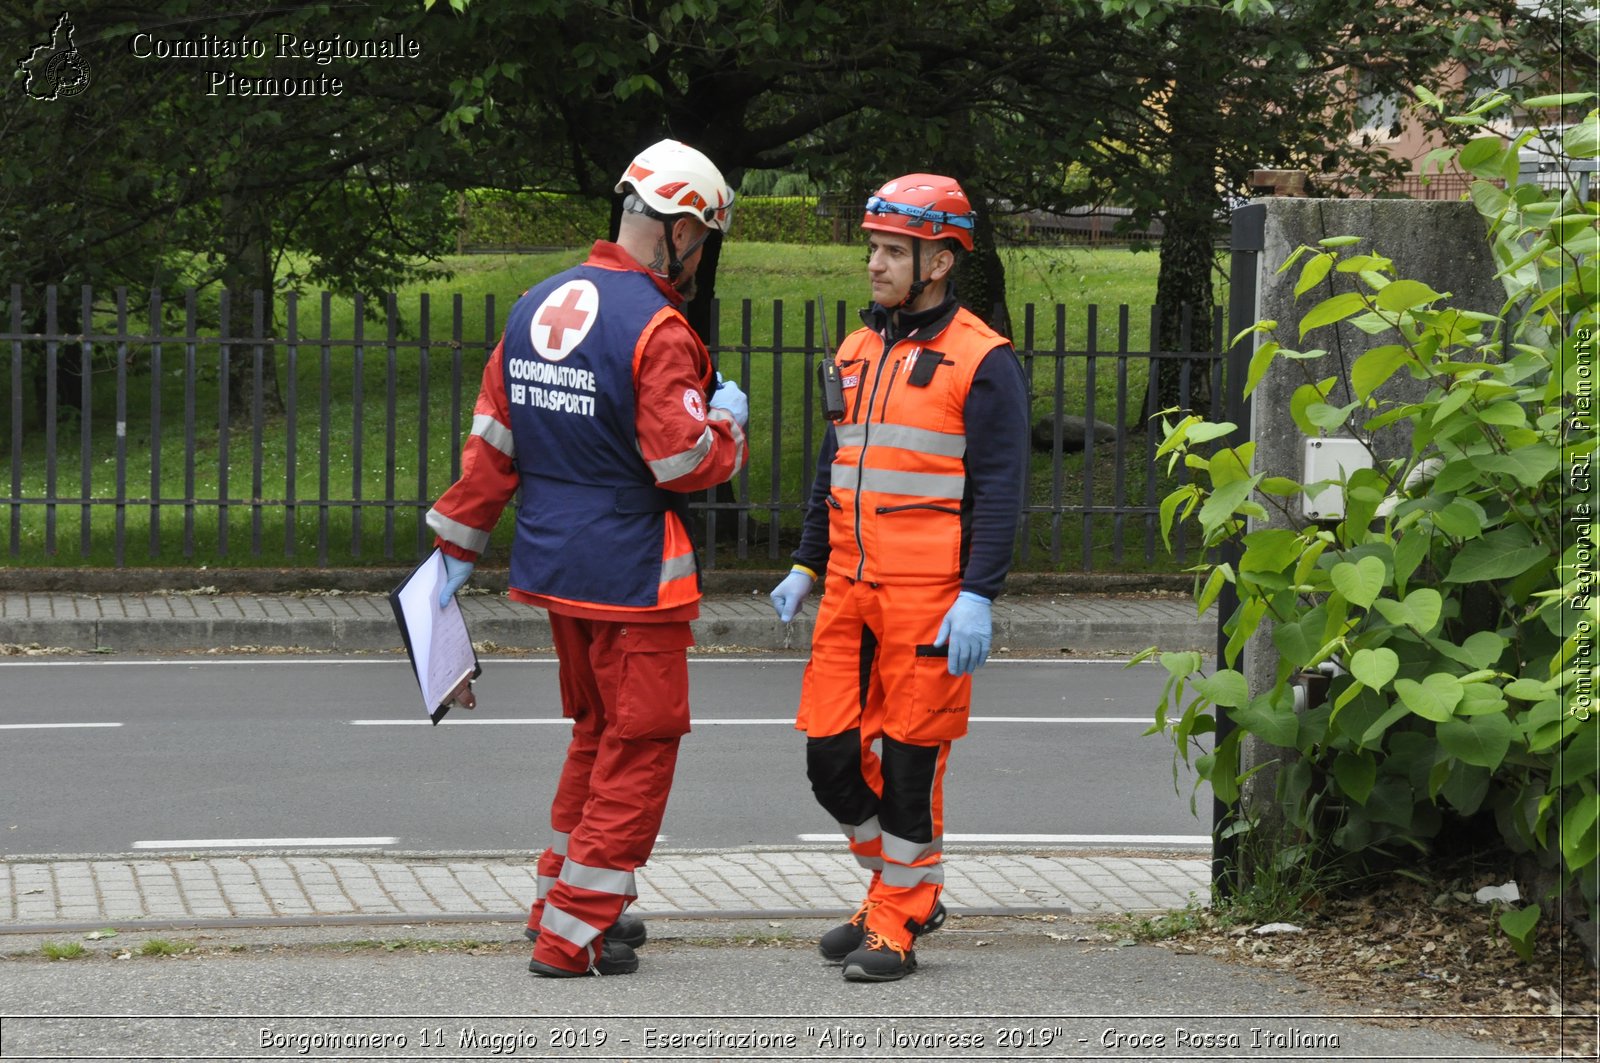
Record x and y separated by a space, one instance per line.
601 407
915 507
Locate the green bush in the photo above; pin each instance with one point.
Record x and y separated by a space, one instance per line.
501 220
493 219
1456 599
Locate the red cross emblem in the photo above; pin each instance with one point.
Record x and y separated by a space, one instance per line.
564 319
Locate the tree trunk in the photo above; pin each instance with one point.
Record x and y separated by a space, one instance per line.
247 269
1183 284
981 278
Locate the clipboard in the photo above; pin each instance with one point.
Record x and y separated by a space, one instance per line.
442 658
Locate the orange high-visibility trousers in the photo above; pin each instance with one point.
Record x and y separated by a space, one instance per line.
866 686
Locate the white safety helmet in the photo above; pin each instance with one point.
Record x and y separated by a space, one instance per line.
672 178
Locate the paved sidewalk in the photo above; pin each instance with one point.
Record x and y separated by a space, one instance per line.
38 896
189 620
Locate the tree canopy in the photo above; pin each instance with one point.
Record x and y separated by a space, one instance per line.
1162 106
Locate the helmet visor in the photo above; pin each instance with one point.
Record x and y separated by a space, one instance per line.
936 220
720 218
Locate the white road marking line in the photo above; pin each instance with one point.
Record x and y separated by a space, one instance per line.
41 726
785 721
393 659
1052 839
451 722
266 843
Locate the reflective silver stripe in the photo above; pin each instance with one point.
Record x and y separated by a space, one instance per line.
494 433
871 863
901 851
685 461
453 531
913 484
904 437
677 567
901 876
543 885
733 425
598 879
863 832
558 842
569 927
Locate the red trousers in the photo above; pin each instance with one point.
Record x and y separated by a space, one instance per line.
865 687
625 686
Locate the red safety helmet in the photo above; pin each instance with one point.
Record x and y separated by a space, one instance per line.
923 205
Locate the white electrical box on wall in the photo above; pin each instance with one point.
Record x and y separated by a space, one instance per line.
1331 459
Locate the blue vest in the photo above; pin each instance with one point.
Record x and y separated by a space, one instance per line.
591 522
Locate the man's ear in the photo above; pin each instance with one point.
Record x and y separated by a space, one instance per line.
685 231
940 265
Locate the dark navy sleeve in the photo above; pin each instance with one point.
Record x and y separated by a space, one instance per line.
998 449
813 550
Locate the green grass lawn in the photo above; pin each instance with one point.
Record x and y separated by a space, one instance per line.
387 428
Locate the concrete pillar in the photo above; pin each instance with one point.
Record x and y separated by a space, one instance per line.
1440 243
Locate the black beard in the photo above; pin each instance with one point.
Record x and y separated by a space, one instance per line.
687 288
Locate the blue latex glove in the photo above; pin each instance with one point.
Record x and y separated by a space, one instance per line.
968 629
788 596
456 574
729 397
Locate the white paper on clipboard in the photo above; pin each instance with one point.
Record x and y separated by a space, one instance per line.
436 636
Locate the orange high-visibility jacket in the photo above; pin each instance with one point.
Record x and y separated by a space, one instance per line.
898 477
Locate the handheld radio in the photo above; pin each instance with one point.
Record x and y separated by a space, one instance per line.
828 372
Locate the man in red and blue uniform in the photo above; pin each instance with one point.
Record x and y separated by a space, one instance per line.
601 411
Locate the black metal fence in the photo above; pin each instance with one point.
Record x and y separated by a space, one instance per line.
319 431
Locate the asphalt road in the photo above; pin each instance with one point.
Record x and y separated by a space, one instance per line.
118 756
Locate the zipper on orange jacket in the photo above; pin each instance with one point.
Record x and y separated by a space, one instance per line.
861 455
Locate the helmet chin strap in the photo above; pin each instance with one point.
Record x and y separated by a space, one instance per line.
918 282
675 260
674 264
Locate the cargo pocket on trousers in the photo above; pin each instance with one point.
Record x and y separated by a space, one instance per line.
653 693
939 703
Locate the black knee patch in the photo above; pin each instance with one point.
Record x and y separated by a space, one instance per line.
833 764
905 809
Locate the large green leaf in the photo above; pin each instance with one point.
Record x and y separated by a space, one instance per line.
1299 640
1375 367
1270 549
1530 465
1480 740
1466 787
1434 698
1312 272
1355 773
1223 502
1580 838
1375 667
1226 687
1461 517
1375 731
1408 554
1333 309
1274 724
1582 139
1405 295
1480 699
1492 558
1420 609
1360 583
1392 801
